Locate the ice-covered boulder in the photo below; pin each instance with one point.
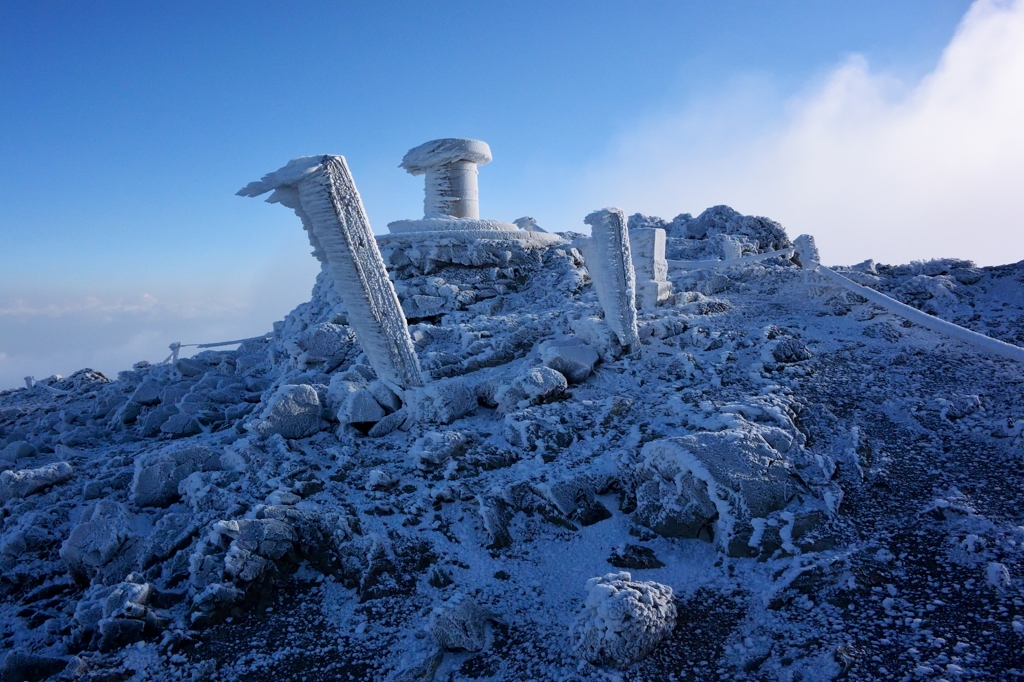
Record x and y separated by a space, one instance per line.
294 411
460 625
442 402
98 538
360 407
148 392
158 474
532 386
692 238
689 480
19 449
622 620
27 481
571 358
118 614
435 448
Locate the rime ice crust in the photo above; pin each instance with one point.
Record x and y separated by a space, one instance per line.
323 194
450 167
623 620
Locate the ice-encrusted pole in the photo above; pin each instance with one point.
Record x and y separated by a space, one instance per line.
647 253
450 167
322 193
611 267
807 254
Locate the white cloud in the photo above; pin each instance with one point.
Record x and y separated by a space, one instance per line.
873 166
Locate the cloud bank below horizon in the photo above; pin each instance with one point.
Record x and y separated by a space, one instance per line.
872 165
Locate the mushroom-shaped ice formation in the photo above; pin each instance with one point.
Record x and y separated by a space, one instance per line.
451 205
450 166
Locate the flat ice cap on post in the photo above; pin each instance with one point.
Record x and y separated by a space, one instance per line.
450 166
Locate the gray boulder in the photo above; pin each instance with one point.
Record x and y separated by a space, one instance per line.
531 387
19 449
734 474
573 359
460 625
294 411
98 538
158 474
27 481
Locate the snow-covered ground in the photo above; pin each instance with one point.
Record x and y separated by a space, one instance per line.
827 489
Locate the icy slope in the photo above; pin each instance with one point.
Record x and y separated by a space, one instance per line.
825 489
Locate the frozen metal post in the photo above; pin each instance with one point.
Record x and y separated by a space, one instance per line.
611 267
322 193
647 248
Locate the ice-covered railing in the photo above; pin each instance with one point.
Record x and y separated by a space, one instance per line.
178 345
728 262
807 253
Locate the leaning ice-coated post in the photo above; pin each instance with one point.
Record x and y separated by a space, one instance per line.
322 193
450 167
611 267
807 253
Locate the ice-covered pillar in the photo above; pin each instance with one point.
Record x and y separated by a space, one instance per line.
608 258
322 193
450 167
647 249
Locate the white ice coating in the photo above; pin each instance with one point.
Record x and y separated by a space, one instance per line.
450 166
647 251
608 259
322 193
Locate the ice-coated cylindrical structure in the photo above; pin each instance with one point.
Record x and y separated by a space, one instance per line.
450 166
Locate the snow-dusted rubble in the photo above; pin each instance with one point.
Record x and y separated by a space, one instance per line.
820 488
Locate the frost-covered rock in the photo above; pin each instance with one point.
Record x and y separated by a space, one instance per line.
360 407
532 386
689 479
622 620
98 538
700 238
117 615
158 474
28 481
460 625
571 358
435 448
442 402
294 411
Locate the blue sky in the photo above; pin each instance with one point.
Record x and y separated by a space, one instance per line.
126 128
